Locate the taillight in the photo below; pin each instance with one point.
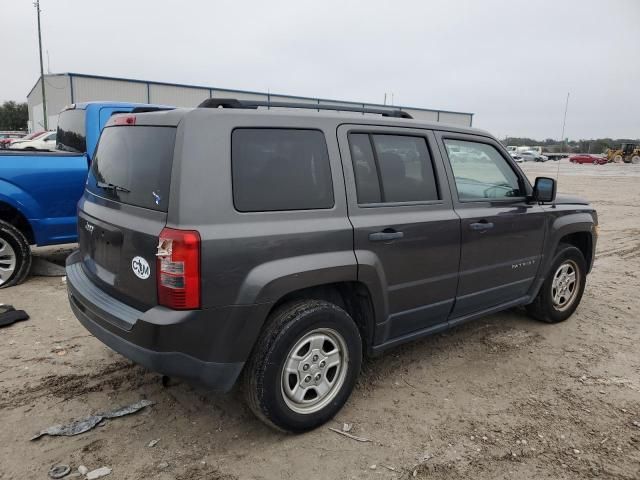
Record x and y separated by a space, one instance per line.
122 120
178 267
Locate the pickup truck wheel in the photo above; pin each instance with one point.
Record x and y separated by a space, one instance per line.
563 288
304 366
15 255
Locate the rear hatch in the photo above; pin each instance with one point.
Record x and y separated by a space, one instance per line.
124 209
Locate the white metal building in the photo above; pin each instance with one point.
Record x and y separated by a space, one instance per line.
65 88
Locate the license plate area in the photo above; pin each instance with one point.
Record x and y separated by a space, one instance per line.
100 242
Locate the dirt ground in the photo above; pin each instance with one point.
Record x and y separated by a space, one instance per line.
503 397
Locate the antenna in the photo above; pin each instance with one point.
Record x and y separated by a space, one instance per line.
48 63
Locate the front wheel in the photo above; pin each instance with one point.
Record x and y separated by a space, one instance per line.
304 366
563 288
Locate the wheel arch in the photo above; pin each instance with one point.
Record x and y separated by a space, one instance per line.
15 217
353 296
583 241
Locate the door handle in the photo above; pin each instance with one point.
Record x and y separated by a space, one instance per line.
385 236
481 226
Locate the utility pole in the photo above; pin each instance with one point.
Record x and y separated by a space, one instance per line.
44 98
564 121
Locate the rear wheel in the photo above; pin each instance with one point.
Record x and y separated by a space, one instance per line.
15 255
304 366
563 288
635 159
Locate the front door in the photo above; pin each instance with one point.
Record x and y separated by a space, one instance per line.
405 229
501 234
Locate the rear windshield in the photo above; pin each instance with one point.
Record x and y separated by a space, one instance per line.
71 133
132 165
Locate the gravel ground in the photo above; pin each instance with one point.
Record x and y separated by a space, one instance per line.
503 397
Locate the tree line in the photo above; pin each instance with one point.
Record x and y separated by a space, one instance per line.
13 116
596 145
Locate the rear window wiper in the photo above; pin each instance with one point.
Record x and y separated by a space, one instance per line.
112 186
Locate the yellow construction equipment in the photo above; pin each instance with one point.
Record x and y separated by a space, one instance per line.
627 153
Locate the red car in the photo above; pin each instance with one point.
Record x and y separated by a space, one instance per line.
587 158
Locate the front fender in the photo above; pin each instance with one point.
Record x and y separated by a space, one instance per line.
561 226
270 281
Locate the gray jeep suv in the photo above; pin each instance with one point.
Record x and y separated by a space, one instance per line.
284 246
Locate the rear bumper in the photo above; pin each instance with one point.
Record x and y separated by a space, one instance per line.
208 347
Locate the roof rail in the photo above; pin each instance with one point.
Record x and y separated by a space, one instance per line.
253 104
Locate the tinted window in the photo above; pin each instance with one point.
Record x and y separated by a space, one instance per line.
481 171
397 169
280 169
71 131
364 168
132 165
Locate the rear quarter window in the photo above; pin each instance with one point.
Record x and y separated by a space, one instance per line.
71 136
280 169
133 165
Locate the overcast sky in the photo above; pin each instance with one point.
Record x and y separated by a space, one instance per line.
511 62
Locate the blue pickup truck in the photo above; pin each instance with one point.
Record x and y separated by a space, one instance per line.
39 190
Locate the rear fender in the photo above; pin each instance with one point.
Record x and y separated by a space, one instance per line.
21 201
270 281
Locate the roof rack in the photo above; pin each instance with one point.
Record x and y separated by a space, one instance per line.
253 104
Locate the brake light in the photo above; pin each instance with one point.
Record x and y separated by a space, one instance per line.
123 120
178 267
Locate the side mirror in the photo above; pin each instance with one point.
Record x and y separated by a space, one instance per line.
544 190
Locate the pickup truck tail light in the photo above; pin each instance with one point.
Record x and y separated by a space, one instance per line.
178 267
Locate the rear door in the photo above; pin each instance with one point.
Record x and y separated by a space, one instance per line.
501 233
124 209
404 224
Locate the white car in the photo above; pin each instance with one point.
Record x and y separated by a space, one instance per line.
46 141
532 156
516 156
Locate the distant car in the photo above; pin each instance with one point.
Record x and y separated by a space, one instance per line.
7 137
587 158
516 156
44 141
532 156
27 137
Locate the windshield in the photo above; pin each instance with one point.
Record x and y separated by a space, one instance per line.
132 165
71 131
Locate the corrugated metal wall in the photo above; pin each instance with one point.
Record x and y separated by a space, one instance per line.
87 89
455 118
60 92
177 96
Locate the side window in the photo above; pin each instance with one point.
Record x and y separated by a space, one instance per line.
364 166
280 169
392 168
481 172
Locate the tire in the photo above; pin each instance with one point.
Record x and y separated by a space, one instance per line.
15 255
618 159
290 330
544 307
635 159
